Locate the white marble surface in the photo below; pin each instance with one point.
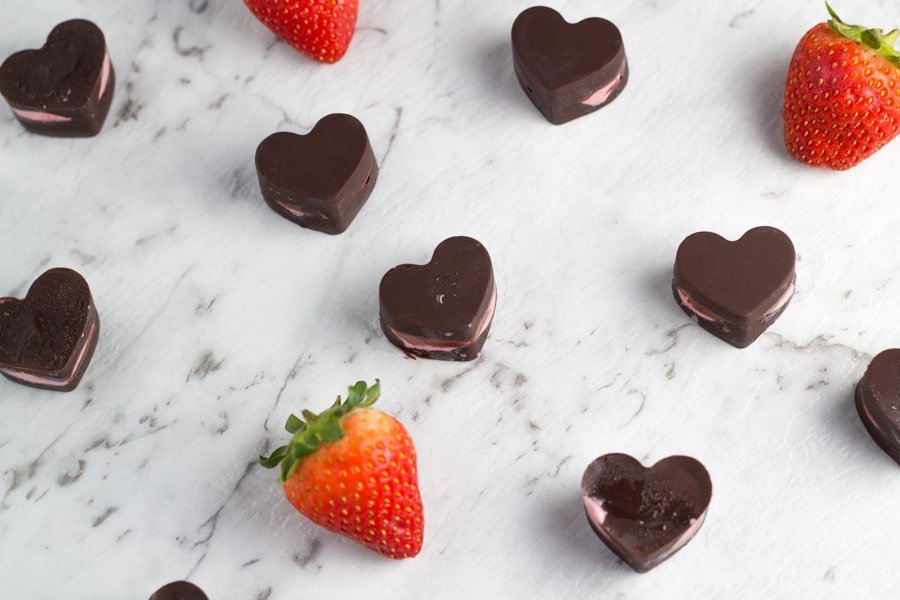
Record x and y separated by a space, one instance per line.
220 318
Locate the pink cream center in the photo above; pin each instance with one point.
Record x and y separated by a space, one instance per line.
412 342
47 117
692 305
601 95
707 315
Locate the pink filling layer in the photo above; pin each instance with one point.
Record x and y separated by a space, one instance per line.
695 308
86 342
707 315
300 213
788 294
603 94
421 344
40 117
46 117
104 75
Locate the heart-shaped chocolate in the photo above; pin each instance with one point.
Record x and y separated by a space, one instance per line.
878 401
645 515
179 590
568 69
735 290
443 309
65 88
47 339
319 180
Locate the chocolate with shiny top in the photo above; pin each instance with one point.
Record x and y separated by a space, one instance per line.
443 309
568 70
179 590
48 338
878 401
645 515
735 290
319 180
66 87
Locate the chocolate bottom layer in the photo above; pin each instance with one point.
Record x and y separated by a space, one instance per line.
890 446
560 108
69 378
458 353
642 565
739 334
86 122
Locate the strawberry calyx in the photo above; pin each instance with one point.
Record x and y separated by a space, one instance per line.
876 39
318 429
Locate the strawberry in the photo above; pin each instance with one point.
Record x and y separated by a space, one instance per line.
842 97
352 470
321 29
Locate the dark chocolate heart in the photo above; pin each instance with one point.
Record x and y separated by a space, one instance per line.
735 290
442 309
179 590
319 180
645 515
568 69
65 88
47 339
878 401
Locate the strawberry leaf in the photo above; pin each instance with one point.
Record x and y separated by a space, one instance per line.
275 458
315 430
294 424
876 39
871 38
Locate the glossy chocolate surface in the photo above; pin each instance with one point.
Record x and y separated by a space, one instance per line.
442 309
64 88
47 339
745 285
645 515
878 401
568 70
179 590
319 180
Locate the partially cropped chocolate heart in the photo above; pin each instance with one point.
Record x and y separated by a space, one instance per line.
878 401
65 88
568 69
319 180
645 515
179 590
443 309
735 290
47 339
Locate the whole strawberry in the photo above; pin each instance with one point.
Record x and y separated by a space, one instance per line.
842 98
321 29
352 469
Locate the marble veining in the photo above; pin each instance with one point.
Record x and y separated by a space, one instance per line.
220 318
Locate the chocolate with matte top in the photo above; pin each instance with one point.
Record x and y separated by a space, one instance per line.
48 338
65 88
878 401
735 290
319 180
645 515
443 309
179 590
567 69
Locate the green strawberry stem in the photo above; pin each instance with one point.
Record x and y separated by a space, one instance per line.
317 429
882 43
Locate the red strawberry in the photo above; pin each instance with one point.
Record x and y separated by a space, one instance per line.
842 98
321 29
352 469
